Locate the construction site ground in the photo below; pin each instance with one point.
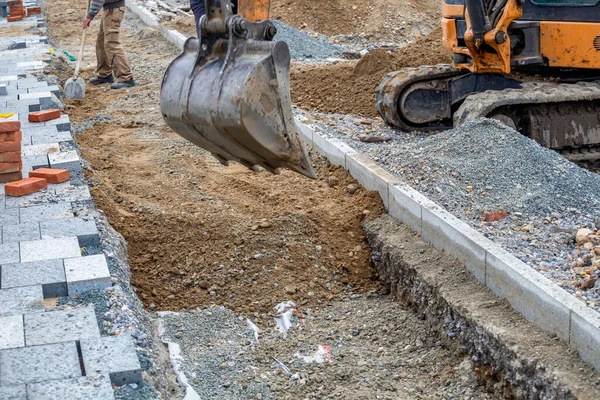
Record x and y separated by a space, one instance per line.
235 243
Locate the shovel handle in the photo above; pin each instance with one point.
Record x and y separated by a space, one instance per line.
78 64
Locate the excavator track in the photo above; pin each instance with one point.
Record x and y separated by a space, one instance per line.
394 86
564 117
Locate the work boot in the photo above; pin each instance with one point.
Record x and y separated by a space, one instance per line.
98 80
121 85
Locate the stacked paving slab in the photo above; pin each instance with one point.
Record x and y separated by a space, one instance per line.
48 252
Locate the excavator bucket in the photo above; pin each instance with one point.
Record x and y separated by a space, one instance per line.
229 93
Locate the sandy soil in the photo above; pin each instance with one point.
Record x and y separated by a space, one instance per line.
381 19
350 87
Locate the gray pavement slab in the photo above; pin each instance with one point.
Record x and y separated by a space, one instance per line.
115 355
13 392
61 326
87 273
46 212
20 232
9 253
49 249
9 217
85 230
96 387
48 273
12 334
21 300
39 363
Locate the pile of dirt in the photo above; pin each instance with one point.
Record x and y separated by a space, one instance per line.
185 25
384 19
350 87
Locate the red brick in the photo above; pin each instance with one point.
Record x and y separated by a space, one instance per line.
42 116
25 187
495 216
11 137
13 156
7 167
9 147
51 175
34 11
9 126
13 18
11 177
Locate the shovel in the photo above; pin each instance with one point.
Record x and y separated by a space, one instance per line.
75 86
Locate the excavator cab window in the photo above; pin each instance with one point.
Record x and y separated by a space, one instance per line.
566 2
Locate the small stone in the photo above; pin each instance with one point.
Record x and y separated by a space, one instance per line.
588 283
238 241
374 138
333 181
203 285
352 188
290 290
495 216
179 335
152 306
526 228
264 224
469 188
583 236
223 365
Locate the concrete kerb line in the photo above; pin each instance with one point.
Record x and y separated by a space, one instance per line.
538 299
149 19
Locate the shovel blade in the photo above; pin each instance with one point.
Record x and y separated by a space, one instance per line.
75 88
236 104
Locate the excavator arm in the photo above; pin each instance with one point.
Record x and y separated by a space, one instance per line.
487 40
229 92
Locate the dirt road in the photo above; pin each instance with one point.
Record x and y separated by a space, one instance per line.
201 234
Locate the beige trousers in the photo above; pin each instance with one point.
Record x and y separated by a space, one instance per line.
109 52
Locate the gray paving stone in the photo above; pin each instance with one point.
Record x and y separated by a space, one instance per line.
41 197
40 149
48 273
14 392
56 137
96 387
9 253
87 273
21 300
86 231
61 326
115 355
65 160
45 212
49 249
21 232
73 193
11 332
39 363
7 217
64 119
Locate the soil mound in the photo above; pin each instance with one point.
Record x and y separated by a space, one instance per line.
349 88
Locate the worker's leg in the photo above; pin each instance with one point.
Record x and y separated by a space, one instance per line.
112 44
103 69
198 9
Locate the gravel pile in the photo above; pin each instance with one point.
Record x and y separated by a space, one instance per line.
304 46
485 167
